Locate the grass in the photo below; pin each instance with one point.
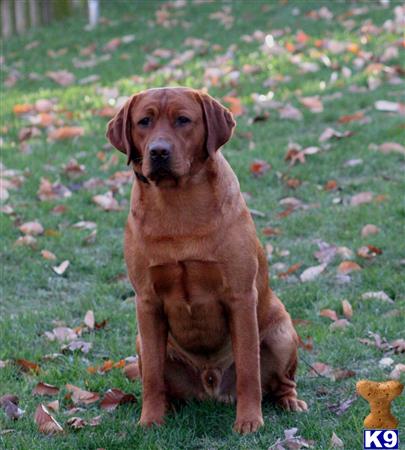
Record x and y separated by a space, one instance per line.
34 297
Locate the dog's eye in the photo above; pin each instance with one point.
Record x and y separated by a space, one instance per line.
182 120
145 121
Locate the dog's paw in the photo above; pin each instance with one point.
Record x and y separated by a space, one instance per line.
248 425
147 421
293 404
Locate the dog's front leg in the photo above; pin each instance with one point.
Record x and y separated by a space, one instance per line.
153 334
246 349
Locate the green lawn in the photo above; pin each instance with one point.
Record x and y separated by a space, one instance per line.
348 80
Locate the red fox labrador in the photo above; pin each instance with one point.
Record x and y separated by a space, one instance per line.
209 325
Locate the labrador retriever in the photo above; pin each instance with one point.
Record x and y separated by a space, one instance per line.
209 324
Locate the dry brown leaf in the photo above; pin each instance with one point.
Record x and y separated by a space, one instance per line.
312 273
73 169
61 334
53 406
23 108
369 229
396 372
336 442
331 185
235 105
387 106
62 77
131 371
319 368
259 167
347 309
82 346
89 319
46 423
43 105
290 112
65 133
392 147
339 324
107 202
76 423
9 403
379 295
290 270
52 191
114 397
80 396
46 254
45 389
31 228
329 313
314 104
28 366
351 117
329 133
398 345
61 269
348 266
362 197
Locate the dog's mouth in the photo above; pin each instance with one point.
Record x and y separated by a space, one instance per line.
162 174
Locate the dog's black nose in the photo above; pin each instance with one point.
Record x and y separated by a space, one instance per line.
160 150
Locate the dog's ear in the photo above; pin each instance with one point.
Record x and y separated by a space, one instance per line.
219 123
119 131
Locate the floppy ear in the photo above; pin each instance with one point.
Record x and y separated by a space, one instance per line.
219 123
119 132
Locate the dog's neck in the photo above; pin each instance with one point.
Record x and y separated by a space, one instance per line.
192 202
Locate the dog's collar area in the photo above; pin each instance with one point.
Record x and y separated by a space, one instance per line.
141 177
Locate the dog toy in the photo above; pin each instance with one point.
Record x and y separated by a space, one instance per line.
379 396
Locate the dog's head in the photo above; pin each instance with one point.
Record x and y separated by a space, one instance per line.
169 132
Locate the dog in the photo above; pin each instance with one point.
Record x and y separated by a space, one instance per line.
209 324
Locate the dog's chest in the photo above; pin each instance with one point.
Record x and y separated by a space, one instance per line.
191 292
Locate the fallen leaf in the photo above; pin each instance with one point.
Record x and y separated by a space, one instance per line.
339 324
347 309
385 363
259 168
330 185
45 389
290 270
28 366
53 406
387 106
61 334
114 397
85 225
235 105
329 313
322 369
379 295
369 229
89 319
73 169
307 345
351 117
290 112
336 442
46 254
52 191
9 403
62 77
131 371
107 202
392 147
362 197
326 253
82 346
61 269
329 133
312 272
112 45
46 423
396 372
65 133
23 108
43 105
348 267
31 228
314 104
76 423
398 345
340 408
80 396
